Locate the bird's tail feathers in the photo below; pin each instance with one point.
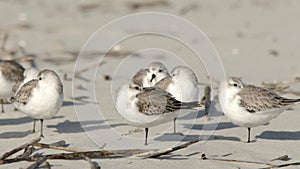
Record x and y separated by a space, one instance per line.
190 105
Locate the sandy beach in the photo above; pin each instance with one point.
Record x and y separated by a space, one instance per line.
257 40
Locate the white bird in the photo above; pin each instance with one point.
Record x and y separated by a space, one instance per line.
10 73
250 106
157 71
40 98
182 84
147 107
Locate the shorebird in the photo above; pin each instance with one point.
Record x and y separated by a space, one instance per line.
40 98
10 73
250 106
148 107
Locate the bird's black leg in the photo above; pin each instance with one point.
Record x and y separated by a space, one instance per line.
42 128
174 123
146 136
34 122
249 129
2 106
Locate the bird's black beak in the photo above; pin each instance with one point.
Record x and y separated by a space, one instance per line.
152 78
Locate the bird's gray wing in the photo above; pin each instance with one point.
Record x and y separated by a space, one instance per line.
164 83
154 101
12 70
25 91
16 87
255 99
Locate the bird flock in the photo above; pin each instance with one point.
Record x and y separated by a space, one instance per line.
153 96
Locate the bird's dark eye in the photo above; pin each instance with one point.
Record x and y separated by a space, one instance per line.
235 85
137 88
159 70
40 78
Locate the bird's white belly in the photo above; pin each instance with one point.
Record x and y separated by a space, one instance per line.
5 88
127 108
44 105
241 117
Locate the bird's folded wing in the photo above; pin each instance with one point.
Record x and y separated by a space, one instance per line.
154 101
12 70
25 91
255 99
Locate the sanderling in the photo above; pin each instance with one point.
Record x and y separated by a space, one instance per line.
147 107
250 106
10 73
182 84
40 98
158 71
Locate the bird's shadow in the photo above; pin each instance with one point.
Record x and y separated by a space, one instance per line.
280 135
192 115
9 135
21 120
211 126
70 103
187 138
77 127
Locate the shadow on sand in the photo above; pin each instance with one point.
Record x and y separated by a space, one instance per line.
280 135
186 138
77 127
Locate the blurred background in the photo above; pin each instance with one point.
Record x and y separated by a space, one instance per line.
248 34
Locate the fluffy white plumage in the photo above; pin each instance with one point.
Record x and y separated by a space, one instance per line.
250 106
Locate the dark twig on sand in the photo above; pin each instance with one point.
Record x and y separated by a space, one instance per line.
37 163
27 152
55 147
24 146
284 165
61 156
204 157
282 158
158 153
91 164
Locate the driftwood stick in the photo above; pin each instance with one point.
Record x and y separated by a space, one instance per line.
283 165
158 153
38 163
47 164
282 158
48 146
28 151
61 156
91 164
7 154
79 155
235 161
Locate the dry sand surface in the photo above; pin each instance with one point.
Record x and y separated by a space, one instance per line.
257 40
